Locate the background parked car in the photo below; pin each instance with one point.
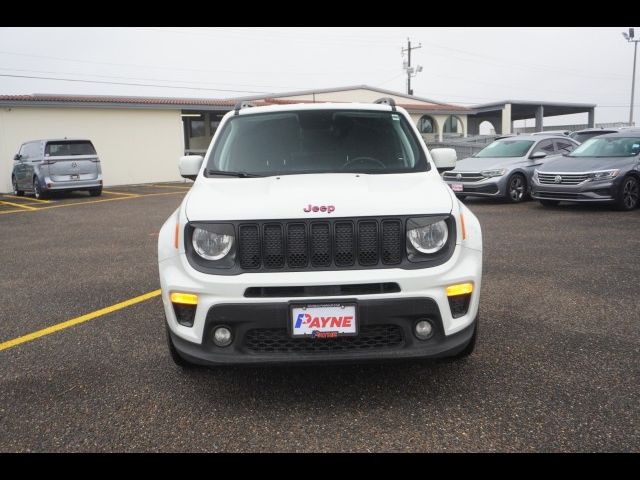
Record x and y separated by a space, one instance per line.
503 169
603 169
581 136
553 132
43 166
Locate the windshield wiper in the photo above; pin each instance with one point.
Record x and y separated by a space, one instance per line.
208 171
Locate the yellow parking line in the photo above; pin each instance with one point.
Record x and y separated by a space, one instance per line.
75 321
26 207
28 199
61 205
121 193
171 186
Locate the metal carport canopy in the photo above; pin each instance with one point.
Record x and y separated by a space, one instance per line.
523 109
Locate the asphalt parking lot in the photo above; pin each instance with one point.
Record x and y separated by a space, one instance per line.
557 367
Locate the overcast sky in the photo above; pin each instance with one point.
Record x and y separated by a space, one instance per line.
465 66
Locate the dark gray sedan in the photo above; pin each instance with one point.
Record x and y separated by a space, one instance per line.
604 169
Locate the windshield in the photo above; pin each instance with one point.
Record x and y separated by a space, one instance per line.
506 148
583 137
317 141
63 149
608 147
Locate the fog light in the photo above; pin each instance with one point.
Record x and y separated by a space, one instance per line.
423 329
222 336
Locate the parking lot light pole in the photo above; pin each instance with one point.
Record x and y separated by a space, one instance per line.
629 38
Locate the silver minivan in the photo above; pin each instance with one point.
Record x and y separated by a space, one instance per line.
44 166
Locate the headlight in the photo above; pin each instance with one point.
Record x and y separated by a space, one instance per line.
535 174
498 172
210 245
603 174
429 238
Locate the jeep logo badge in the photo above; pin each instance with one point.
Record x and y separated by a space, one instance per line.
319 208
557 179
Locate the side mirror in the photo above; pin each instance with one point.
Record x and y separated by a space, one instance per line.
444 158
537 155
17 157
189 166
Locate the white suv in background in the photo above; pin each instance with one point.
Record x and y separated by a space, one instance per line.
319 233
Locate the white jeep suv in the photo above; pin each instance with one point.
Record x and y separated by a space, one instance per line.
319 233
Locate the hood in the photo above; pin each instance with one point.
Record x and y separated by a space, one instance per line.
289 196
586 164
474 164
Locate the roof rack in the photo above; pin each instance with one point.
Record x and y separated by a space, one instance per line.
387 101
240 105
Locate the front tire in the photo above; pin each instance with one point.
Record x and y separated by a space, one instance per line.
14 184
629 194
516 188
549 203
37 191
175 356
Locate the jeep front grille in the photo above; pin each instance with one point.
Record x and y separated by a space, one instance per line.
339 243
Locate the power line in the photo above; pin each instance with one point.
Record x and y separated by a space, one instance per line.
137 65
131 84
527 65
148 79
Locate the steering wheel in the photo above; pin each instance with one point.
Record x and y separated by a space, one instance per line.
356 160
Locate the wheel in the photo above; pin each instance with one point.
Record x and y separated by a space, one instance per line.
550 203
629 194
516 188
14 184
471 346
175 356
96 192
37 191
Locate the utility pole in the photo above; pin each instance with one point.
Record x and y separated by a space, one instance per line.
407 66
629 38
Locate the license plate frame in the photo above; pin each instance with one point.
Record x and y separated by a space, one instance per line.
329 309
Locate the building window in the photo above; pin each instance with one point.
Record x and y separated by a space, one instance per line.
452 126
214 122
426 124
197 127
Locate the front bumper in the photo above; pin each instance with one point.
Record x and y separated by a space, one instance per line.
588 192
490 187
422 293
260 335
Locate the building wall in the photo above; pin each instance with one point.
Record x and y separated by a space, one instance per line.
440 121
134 145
